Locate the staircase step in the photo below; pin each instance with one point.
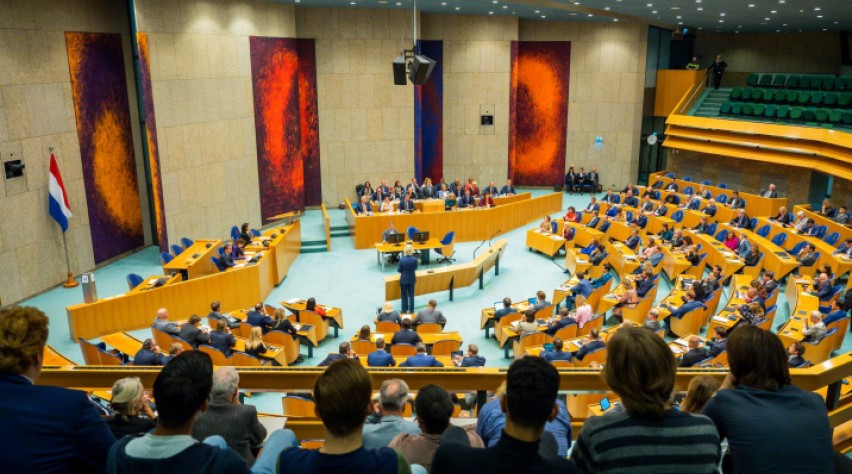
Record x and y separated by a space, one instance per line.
308 243
340 227
341 234
313 250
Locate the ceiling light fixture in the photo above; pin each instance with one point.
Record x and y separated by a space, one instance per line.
701 9
721 14
751 5
653 12
816 9
819 16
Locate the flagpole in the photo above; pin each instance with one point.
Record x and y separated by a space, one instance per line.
70 282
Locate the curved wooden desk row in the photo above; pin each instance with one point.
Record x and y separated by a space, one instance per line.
845 232
692 217
452 276
840 265
468 224
235 288
755 204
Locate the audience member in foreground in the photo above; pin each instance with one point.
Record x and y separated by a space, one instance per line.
393 397
227 417
434 409
700 390
342 395
129 401
45 429
181 390
529 402
771 425
681 442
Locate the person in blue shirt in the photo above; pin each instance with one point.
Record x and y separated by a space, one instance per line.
634 240
605 277
505 310
472 359
583 287
507 189
679 313
557 353
593 206
594 222
644 284
587 250
363 207
256 317
836 313
421 359
149 354
380 358
407 279
656 258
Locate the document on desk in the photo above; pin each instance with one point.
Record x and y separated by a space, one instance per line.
720 319
681 342
293 300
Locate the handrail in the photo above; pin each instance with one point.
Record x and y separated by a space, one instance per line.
689 98
327 228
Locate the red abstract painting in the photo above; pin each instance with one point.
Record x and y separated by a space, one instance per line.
538 111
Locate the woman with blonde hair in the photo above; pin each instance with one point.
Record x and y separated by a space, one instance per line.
129 401
389 314
281 323
254 343
583 312
700 390
628 299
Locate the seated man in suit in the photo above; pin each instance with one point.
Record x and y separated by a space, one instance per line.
380 358
644 284
661 210
427 191
149 354
652 321
472 359
505 310
710 208
604 225
256 317
609 197
744 247
671 198
845 248
694 355
634 240
541 301
226 258
605 277
344 351
561 320
430 315
796 359
593 206
592 178
672 186
508 189
467 200
736 202
703 193
406 205
193 333
842 216
768 280
405 335
413 188
647 205
594 222
583 287
822 287
808 256
421 359
363 207
557 353
719 343
215 316
770 192
161 322
741 220
594 344
836 312
598 255
630 199
222 339
491 189
689 305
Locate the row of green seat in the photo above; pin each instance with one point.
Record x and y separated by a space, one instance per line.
797 81
792 97
786 113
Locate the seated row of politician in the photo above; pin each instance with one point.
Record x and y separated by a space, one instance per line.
467 197
427 190
198 423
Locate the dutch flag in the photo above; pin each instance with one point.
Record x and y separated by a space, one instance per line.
60 211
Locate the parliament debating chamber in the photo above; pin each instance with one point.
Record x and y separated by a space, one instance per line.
426 236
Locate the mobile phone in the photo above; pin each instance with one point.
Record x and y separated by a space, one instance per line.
605 404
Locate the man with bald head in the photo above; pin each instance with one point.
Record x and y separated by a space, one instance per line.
162 323
695 354
393 397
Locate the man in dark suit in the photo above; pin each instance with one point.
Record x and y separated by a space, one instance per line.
227 417
609 197
808 256
671 198
604 225
192 332
406 204
472 359
491 188
406 335
557 353
594 344
796 359
505 310
736 201
222 339
508 188
226 256
644 285
694 355
769 283
380 358
822 287
719 343
630 199
677 239
161 322
647 205
363 207
45 429
672 186
598 255
407 278
710 208
430 315
427 191
421 359
256 317
344 351
689 305
560 321
467 200
842 216
592 179
634 240
149 354
215 316
770 192
593 206
413 188
717 69
741 220
661 210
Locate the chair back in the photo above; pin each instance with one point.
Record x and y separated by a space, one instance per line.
598 355
166 257
94 355
821 350
721 235
134 280
255 233
319 323
706 182
163 339
241 359
779 239
244 330
298 407
183 344
832 238
642 221
722 185
554 227
411 231
754 270
387 327
677 216
596 322
797 248
567 333
428 328
235 233
217 263
689 190
186 242
176 249
842 325
538 339
216 355
445 347
285 340
687 178
670 175
690 323
363 347
763 231
821 230
448 238
722 198
544 313
402 350
628 216
711 228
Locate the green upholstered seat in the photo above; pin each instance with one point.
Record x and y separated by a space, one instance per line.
806 82
768 94
793 81
736 93
783 112
821 115
770 111
847 117
736 108
804 97
758 110
765 80
835 116
779 80
752 79
830 98
796 113
809 114
748 109
827 83
746 93
726 108
792 96
844 99
816 98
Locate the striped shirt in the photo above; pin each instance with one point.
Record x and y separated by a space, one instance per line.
677 443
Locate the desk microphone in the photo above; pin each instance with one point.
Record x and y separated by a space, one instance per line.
483 243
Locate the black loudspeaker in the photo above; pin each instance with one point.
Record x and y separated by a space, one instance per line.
399 70
421 69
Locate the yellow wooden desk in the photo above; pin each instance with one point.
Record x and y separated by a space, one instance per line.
674 262
305 332
446 360
236 288
509 199
423 247
123 342
486 316
576 261
756 205
844 231
276 353
840 264
583 235
727 316
282 246
429 338
775 259
620 231
799 298
717 253
544 242
52 358
150 283
334 315
451 276
192 266
563 290
622 259
469 225
680 346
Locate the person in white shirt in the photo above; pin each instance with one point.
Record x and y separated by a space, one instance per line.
814 329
